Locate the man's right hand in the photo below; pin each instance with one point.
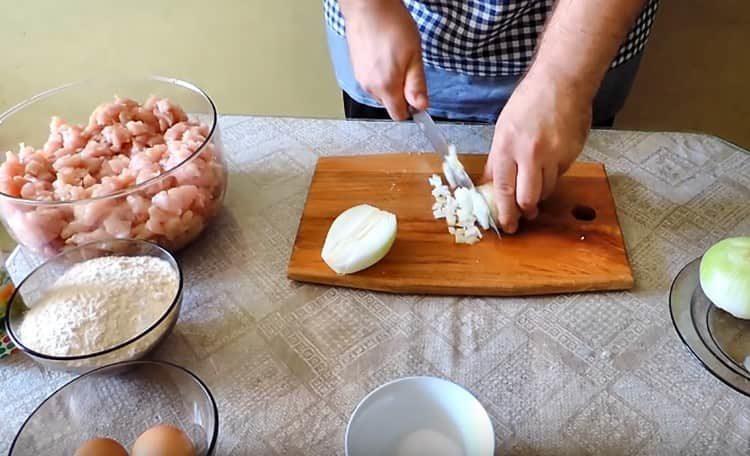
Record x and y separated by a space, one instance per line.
386 53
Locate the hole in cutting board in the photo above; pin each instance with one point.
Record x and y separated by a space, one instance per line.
584 213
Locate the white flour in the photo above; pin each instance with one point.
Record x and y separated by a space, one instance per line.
98 304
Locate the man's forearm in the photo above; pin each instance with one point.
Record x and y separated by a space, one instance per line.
351 8
581 39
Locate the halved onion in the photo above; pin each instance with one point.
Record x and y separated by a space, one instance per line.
725 275
358 238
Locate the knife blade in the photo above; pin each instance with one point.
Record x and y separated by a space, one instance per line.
432 132
438 141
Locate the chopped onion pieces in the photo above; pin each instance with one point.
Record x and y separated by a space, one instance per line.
462 211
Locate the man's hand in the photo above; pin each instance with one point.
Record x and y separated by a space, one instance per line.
539 134
386 53
544 125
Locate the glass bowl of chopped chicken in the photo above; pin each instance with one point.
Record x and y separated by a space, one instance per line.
136 408
96 304
125 158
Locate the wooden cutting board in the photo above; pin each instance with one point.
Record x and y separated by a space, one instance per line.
563 250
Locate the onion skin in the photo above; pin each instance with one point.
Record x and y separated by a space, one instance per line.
725 276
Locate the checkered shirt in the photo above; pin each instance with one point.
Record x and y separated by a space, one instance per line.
489 37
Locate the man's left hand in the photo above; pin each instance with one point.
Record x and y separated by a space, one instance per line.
539 134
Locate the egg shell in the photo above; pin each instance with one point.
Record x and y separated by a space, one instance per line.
163 440
101 447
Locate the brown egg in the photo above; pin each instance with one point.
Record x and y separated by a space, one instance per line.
101 447
163 440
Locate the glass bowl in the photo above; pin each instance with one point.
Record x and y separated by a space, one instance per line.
52 225
35 285
720 341
121 401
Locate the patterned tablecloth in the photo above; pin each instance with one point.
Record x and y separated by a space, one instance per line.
579 374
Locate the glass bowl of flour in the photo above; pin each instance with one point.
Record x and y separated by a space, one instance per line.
96 304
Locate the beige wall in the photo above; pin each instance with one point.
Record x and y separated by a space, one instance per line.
269 56
696 71
252 56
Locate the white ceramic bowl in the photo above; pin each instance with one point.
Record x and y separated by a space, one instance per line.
417 416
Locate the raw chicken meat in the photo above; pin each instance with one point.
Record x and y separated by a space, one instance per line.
124 144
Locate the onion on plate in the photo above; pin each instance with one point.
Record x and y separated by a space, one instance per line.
725 275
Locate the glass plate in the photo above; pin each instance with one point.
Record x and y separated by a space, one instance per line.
719 341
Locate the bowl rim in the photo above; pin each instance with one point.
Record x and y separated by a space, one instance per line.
161 363
412 378
175 301
134 188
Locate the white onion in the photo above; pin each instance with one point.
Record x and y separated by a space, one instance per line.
481 209
463 209
489 196
449 176
358 238
463 197
725 275
452 167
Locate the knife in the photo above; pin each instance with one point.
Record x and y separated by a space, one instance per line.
432 132
438 141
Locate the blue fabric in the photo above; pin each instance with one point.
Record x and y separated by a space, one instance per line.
452 95
477 98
